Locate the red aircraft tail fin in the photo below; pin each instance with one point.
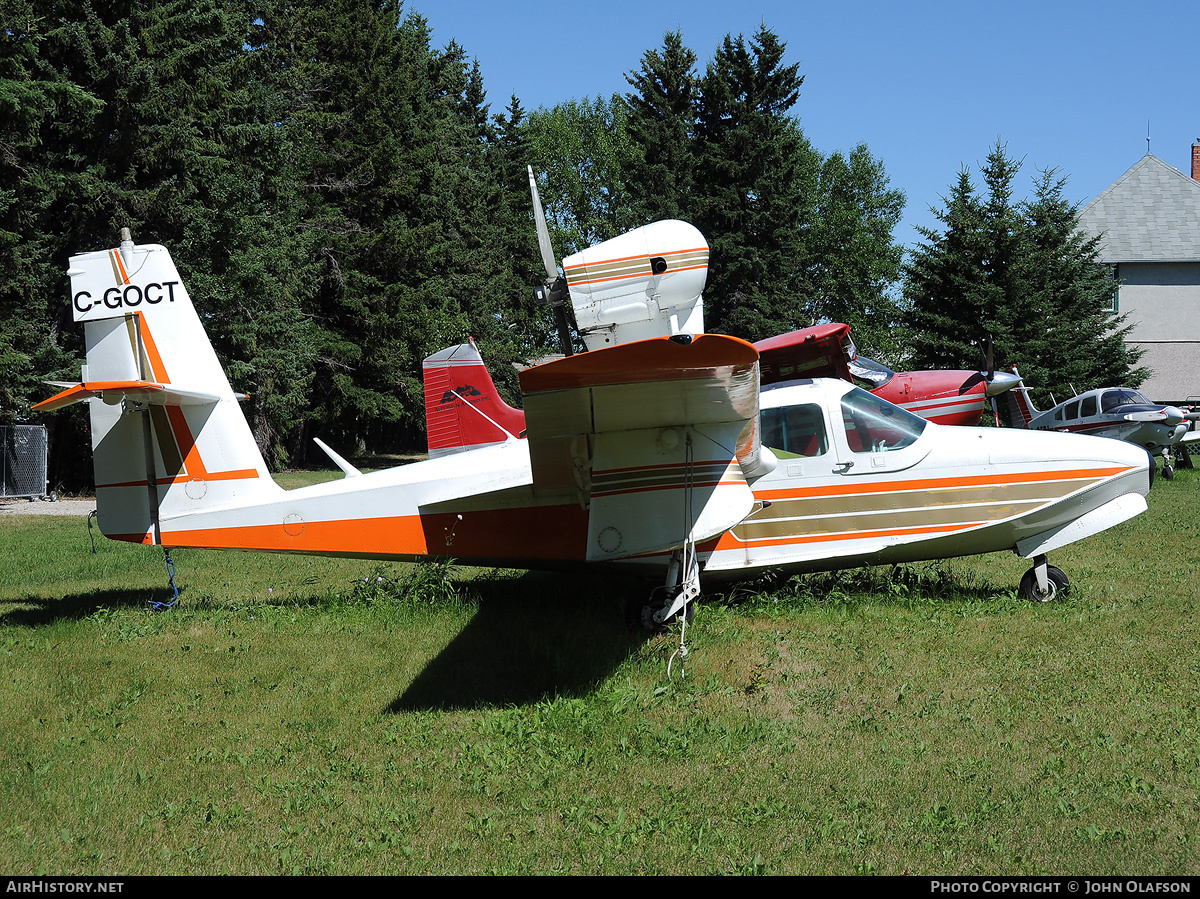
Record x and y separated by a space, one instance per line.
1020 408
463 409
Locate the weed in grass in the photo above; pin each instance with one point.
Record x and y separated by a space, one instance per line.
426 583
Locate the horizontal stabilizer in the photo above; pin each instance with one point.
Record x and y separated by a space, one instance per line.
112 392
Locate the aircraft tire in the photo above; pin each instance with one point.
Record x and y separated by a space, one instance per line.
1060 586
1168 473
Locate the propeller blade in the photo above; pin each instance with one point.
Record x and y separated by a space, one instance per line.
543 232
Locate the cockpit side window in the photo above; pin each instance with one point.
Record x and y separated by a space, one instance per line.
794 430
1088 407
874 425
1072 411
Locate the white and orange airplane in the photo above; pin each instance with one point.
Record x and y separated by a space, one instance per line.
653 451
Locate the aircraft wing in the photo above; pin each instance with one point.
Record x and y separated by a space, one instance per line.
818 352
654 438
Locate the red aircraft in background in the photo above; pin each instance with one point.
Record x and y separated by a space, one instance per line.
463 409
826 351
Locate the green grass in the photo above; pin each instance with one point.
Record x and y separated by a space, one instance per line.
301 715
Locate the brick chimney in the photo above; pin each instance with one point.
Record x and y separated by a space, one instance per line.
1196 159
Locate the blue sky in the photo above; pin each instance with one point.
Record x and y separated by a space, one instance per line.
929 87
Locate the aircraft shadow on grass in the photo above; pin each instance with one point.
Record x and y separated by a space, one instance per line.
39 611
539 635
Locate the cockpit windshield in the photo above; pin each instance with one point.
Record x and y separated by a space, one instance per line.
874 425
1121 397
869 373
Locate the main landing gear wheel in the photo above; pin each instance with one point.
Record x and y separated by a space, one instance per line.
1057 585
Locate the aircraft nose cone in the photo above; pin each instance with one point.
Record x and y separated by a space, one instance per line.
1174 415
1001 381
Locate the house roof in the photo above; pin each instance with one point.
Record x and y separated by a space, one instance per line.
1151 213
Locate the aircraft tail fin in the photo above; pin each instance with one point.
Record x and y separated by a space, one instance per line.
1021 410
463 408
168 436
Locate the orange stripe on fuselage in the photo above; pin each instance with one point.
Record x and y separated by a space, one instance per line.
538 533
938 483
401 535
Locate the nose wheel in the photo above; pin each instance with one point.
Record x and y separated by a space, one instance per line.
1168 472
1044 583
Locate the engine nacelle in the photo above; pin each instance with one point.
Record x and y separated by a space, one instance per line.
645 283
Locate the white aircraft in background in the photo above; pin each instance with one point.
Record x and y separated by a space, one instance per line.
1117 412
653 451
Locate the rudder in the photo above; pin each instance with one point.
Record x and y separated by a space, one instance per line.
463 409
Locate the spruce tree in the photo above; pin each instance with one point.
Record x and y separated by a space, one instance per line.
855 262
1063 336
40 113
946 283
158 126
755 183
660 122
1022 275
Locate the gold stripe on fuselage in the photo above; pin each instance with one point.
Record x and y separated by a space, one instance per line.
951 507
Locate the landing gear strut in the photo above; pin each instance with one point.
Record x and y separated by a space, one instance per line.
1168 472
676 595
675 599
1043 583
